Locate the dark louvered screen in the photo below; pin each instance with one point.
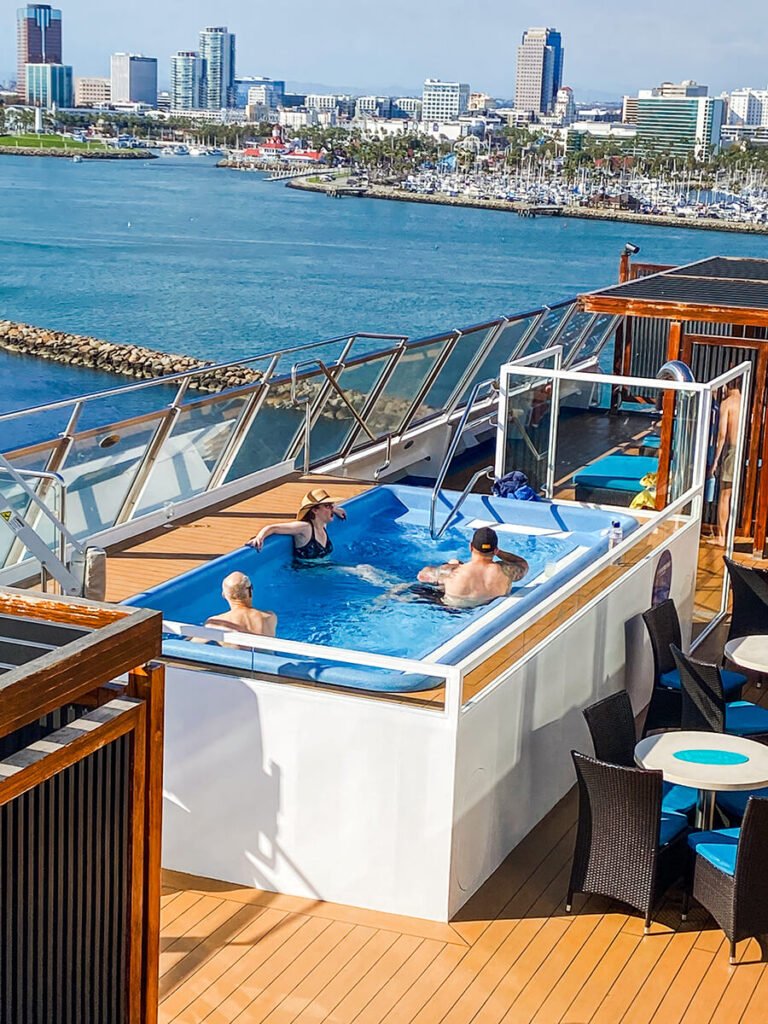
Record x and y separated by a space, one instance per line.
64 895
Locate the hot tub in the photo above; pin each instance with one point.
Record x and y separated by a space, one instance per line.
361 598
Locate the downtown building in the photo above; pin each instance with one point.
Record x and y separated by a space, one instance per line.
38 40
217 50
539 74
188 81
443 101
133 79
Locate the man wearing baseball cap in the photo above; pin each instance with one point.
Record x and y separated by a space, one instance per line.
488 574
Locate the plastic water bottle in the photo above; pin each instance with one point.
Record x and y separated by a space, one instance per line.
615 535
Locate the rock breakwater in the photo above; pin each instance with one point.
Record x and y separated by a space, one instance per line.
112 357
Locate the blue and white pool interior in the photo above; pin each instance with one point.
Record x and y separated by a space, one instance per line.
361 599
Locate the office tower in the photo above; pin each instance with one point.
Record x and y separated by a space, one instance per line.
188 81
539 70
92 92
48 85
134 78
38 34
443 101
217 48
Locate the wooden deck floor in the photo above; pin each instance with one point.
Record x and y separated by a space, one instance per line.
512 955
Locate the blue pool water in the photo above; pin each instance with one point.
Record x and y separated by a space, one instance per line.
359 599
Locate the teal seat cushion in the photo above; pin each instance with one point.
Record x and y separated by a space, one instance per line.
617 473
680 799
732 681
745 719
672 824
718 847
734 803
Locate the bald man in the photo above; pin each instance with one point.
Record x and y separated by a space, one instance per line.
237 591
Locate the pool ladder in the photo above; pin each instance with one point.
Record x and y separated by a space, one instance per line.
436 532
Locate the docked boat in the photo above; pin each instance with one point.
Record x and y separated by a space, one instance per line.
382 754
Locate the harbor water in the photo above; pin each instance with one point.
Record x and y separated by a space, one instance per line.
185 257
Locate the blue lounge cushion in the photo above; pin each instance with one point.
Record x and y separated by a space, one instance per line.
672 824
718 847
745 719
734 802
732 681
680 799
617 473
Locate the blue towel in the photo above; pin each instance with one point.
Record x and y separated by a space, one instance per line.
514 485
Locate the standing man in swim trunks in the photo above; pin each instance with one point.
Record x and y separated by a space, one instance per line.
308 529
488 574
725 455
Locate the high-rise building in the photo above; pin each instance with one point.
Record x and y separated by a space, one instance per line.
443 101
268 91
539 70
48 85
38 34
217 48
188 81
92 92
134 78
679 126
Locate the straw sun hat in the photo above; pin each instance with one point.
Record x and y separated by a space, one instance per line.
318 496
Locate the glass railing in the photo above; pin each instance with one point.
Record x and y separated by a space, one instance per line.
139 448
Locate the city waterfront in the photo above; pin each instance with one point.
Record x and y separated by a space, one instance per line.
180 256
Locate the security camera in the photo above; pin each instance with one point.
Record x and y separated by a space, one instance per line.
631 249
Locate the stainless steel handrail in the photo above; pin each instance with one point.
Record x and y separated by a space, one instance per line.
443 472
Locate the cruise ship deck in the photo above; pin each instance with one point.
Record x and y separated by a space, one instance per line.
512 954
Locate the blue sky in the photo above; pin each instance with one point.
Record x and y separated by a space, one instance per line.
610 48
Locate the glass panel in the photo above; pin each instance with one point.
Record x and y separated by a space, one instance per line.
504 347
456 366
98 472
545 331
397 397
189 455
593 341
335 421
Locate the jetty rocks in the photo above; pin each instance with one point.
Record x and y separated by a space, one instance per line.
112 357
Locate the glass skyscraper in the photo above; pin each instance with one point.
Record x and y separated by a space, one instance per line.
217 48
38 35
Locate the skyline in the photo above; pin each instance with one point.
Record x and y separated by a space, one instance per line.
451 43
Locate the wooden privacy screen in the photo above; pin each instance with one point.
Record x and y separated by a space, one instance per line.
80 819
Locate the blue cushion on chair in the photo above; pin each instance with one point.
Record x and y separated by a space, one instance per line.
672 824
734 803
681 799
718 847
745 719
732 681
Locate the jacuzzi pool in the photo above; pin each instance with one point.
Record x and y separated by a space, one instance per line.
361 600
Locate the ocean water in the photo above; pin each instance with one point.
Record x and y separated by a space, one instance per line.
186 257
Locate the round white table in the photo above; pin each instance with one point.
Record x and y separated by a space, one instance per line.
707 761
748 652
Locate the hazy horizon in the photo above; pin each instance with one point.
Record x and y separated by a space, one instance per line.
608 52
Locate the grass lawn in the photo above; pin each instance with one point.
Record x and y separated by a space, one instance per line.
47 141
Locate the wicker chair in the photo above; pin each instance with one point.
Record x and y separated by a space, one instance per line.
704 707
729 876
664 710
626 847
749 614
611 724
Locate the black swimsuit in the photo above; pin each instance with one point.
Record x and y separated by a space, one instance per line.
313 548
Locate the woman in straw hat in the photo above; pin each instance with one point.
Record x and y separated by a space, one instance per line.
309 528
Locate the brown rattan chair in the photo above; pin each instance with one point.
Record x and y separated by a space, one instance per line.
626 847
664 710
749 612
704 707
729 875
611 724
